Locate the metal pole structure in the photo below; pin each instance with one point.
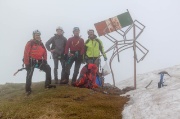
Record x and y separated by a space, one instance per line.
121 45
134 47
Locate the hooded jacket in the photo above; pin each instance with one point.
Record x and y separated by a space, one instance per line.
75 43
93 47
87 77
34 49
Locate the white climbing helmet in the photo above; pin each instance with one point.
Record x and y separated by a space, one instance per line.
36 32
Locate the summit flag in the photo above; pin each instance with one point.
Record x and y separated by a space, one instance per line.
113 24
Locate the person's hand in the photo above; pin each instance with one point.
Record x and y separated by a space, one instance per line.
105 58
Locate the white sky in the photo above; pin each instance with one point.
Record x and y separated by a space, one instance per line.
19 18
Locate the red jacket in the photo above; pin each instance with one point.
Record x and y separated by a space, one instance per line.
75 44
88 77
34 49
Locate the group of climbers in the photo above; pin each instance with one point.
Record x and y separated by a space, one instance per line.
73 50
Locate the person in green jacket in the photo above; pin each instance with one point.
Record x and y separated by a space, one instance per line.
93 48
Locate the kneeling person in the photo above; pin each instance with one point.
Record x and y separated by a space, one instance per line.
87 78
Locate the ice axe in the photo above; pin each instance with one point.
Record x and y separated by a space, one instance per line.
164 72
161 83
18 71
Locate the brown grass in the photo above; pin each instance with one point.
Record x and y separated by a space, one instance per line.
64 102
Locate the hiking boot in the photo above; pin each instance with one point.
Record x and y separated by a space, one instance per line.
28 93
50 86
64 82
73 84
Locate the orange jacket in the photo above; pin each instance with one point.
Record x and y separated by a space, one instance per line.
34 49
88 79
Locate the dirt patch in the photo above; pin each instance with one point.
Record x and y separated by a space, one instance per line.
1 114
111 90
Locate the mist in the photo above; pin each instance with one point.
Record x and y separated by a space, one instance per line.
18 19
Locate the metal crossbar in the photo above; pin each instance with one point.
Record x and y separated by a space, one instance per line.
124 44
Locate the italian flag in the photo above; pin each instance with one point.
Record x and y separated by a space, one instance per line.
113 24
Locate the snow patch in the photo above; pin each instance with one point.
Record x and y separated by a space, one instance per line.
153 102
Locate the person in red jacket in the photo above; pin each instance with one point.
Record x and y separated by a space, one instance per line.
35 56
87 78
76 46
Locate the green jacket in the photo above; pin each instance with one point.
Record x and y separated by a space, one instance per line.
94 47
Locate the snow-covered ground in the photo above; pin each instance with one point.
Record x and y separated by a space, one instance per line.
154 102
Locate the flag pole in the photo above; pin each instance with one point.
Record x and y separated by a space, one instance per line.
134 48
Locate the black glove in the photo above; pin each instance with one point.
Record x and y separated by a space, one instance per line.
105 58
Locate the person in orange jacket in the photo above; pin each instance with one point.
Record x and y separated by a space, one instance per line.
35 56
87 78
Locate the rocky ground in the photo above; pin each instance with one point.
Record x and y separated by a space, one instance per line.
111 90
